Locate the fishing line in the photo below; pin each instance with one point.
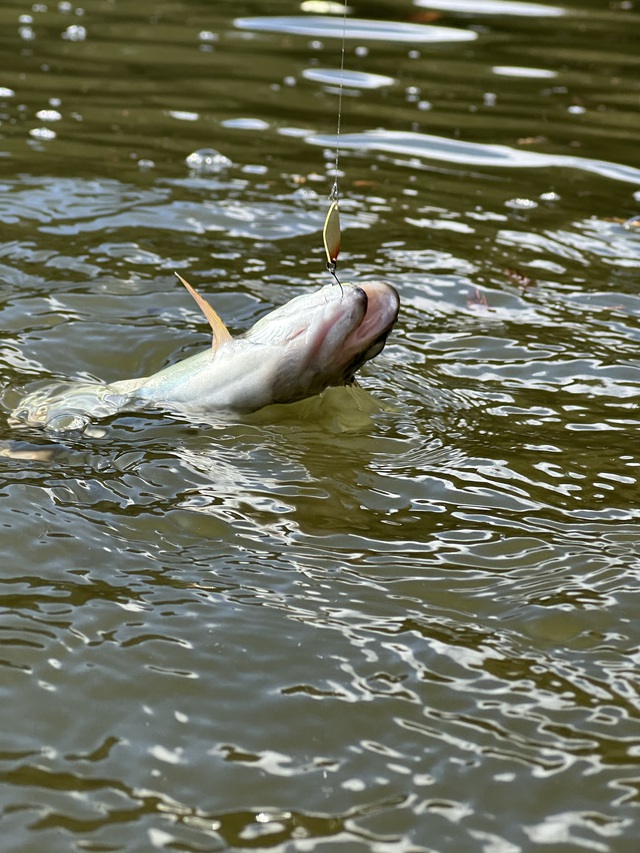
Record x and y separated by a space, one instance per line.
331 235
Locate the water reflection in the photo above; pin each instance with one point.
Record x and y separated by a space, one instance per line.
352 79
472 154
373 620
495 7
327 27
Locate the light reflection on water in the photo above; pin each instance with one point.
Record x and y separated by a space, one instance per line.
364 30
473 154
399 619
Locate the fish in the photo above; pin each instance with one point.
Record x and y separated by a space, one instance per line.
314 341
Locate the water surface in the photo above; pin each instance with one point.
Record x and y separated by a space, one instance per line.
394 622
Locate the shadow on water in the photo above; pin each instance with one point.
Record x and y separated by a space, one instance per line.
401 617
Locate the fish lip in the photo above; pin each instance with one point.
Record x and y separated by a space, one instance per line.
382 301
383 305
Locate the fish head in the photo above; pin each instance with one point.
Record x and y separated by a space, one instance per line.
323 338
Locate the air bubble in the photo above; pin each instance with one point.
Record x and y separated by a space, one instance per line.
42 133
48 115
521 204
75 32
207 161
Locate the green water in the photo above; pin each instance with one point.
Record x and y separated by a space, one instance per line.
402 626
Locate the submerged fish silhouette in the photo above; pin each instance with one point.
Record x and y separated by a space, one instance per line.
312 342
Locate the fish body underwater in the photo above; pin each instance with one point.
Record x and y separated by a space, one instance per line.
314 341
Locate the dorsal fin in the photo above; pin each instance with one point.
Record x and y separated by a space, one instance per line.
220 332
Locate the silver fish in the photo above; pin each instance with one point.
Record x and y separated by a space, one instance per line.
314 341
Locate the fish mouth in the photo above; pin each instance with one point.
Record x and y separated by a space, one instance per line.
368 339
330 335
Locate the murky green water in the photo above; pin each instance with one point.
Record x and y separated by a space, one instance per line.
406 627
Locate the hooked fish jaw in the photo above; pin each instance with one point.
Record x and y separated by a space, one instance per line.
332 333
369 338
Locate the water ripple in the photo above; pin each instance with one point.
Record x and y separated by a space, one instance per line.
472 153
328 27
376 619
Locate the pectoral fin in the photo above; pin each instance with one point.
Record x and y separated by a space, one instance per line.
220 332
